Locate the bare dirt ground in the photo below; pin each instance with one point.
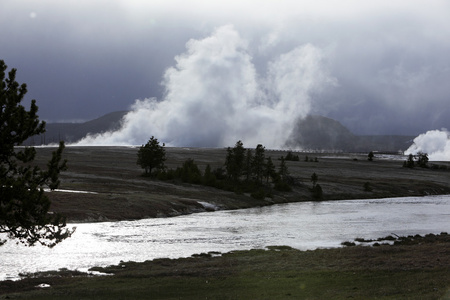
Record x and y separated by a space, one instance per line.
119 191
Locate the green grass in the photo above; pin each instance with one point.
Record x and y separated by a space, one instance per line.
265 285
419 271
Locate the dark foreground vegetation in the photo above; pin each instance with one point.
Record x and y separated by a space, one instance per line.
23 205
414 268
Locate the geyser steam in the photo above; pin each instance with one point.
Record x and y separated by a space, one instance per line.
214 97
434 142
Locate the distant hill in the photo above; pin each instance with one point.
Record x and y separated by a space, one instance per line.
383 143
317 132
311 133
72 132
321 133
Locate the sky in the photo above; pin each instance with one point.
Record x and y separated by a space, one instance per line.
232 69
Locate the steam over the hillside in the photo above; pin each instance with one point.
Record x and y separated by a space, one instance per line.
214 96
434 142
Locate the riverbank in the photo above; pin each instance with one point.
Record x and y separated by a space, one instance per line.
119 192
412 268
414 271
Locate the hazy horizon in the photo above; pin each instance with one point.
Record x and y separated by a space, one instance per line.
234 68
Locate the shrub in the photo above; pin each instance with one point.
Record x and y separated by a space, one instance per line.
219 173
259 194
161 175
317 192
291 157
282 186
367 187
410 162
314 179
209 178
189 172
348 244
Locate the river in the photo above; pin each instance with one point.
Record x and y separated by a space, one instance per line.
304 225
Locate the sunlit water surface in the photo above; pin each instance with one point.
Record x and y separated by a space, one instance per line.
307 225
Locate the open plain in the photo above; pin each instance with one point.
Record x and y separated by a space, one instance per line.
119 192
412 268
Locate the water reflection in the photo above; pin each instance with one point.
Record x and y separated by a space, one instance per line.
301 225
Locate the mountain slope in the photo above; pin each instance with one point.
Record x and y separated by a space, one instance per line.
72 132
317 132
321 133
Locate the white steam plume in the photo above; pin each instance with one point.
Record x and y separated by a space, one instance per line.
436 143
215 97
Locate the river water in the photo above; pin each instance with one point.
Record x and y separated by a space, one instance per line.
306 226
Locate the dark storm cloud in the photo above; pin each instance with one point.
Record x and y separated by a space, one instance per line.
83 60
389 59
401 76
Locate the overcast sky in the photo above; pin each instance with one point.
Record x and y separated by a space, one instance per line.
378 67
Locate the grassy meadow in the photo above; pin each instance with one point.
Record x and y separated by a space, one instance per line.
122 193
418 268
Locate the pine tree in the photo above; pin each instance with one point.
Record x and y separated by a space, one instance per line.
208 177
248 171
283 169
422 160
151 156
24 207
270 170
314 179
258 163
410 162
234 161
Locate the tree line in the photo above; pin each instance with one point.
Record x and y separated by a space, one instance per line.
244 170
